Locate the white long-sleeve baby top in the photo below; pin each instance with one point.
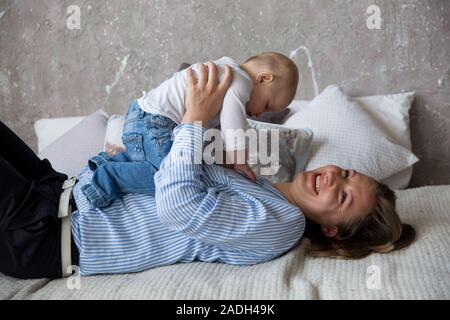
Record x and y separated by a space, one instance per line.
168 99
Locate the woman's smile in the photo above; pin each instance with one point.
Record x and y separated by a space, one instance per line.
316 181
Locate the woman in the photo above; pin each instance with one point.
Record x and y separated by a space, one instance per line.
199 212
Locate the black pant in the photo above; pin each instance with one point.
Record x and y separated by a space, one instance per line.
30 231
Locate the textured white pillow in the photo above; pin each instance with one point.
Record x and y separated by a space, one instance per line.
345 134
392 113
71 151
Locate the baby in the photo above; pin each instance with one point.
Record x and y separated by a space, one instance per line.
265 82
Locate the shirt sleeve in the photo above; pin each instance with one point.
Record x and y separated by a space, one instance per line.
233 114
214 215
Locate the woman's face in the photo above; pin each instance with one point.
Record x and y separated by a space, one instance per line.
331 196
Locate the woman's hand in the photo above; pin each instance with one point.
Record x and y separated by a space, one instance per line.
204 96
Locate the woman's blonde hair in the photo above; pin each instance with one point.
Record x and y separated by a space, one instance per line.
381 231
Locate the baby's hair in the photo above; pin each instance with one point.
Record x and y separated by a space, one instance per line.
281 66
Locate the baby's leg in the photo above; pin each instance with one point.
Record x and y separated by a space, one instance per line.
158 140
113 173
114 179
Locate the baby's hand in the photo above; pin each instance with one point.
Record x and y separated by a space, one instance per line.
245 170
113 149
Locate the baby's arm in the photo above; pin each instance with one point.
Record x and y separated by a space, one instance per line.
233 117
233 122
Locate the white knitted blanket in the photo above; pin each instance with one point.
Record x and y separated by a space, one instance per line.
421 271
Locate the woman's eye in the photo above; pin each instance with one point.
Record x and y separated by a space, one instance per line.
344 196
346 173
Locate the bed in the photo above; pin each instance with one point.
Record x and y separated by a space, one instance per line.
421 271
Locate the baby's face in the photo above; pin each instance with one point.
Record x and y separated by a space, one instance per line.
265 98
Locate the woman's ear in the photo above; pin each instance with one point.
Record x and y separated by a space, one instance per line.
264 77
329 232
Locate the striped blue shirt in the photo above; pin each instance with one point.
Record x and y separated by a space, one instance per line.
199 212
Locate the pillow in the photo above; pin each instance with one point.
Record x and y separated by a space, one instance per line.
71 151
392 113
49 130
347 135
294 147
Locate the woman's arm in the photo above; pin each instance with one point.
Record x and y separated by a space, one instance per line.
204 97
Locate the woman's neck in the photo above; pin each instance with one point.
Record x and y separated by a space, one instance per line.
284 188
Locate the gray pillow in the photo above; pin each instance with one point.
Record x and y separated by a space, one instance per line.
70 152
294 148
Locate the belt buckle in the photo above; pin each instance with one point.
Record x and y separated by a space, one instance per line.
66 195
69 183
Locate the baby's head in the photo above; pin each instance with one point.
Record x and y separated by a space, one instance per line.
275 78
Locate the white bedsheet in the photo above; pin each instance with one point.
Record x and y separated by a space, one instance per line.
422 271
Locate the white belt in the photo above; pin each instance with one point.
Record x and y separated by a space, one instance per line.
65 214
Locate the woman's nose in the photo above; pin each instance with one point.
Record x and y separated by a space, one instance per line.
332 179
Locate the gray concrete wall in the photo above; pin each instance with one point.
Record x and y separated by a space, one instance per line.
125 47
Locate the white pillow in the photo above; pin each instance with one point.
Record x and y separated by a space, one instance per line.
295 145
50 129
72 150
347 135
391 112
